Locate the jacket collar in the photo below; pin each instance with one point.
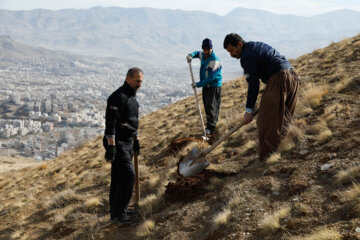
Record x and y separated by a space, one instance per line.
128 89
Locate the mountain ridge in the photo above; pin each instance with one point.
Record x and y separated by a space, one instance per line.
151 34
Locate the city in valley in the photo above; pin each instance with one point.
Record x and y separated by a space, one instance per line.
51 104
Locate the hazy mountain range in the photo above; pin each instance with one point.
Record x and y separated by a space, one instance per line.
166 36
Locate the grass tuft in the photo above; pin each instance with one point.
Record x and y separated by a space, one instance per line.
323 234
92 203
349 175
222 217
313 95
274 158
145 229
64 198
272 222
324 136
151 203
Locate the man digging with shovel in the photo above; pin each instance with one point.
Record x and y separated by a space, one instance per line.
277 105
210 81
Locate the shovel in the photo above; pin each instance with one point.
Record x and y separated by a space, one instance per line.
197 103
195 162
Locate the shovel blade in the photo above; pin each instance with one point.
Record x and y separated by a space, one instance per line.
187 169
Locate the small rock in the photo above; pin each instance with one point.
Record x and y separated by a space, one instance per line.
304 152
357 230
325 167
276 193
295 199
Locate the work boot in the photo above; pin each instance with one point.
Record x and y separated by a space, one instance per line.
123 218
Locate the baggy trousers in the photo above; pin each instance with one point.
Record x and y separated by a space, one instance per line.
276 109
211 99
122 179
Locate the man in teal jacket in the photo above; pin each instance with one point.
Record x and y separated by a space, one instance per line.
210 81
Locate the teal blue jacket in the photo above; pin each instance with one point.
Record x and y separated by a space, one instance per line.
210 70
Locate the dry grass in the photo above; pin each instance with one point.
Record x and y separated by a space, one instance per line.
348 175
64 198
272 222
313 94
343 85
286 144
60 215
319 127
323 234
324 136
274 158
92 203
247 146
354 194
145 229
151 203
222 218
302 110
17 234
17 205
295 132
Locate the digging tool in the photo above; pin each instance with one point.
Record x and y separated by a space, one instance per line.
137 185
195 162
198 105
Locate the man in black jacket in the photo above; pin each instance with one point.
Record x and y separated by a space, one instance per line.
121 121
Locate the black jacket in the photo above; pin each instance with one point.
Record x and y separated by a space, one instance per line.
122 114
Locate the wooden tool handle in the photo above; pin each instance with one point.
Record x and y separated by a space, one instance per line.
220 140
197 101
137 185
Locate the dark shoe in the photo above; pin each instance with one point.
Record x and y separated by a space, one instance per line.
130 211
208 131
124 218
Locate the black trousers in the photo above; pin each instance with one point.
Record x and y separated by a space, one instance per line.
211 99
122 179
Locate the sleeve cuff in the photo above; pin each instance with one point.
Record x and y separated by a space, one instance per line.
110 136
249 110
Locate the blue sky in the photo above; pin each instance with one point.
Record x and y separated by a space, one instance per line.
296 7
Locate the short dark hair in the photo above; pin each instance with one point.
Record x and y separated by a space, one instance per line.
132 71
233 39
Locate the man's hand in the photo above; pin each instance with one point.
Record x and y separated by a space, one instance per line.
248 117
193 85
136 146
188 58
110 153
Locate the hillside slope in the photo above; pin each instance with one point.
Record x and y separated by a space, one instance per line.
308 190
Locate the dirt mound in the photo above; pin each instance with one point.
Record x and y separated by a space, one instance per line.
187 188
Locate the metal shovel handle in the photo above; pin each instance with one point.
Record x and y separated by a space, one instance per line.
197 101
